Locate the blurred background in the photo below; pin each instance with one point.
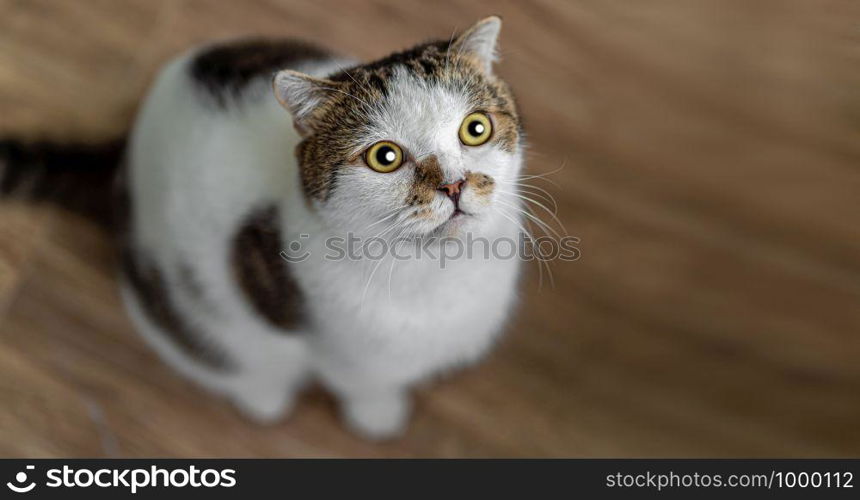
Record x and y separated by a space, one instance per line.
706 152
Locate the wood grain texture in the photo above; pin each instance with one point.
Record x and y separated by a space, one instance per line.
710 153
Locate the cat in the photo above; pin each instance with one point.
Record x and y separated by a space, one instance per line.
244 153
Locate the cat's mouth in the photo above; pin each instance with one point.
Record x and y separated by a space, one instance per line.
451 223
457 217
457 214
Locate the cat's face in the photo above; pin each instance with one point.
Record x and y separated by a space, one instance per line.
423 142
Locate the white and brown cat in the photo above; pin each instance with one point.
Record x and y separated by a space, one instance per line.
242 149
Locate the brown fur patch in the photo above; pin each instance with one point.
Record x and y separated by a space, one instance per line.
428 177
147 282
423 213
225 70
481 184
506 131
261 272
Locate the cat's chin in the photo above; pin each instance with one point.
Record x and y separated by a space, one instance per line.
458 224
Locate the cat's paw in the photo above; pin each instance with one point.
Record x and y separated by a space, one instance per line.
379 417
264 408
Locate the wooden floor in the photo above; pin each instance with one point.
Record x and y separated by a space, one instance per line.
709 156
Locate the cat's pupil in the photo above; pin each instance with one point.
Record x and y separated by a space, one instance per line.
386 155
476 128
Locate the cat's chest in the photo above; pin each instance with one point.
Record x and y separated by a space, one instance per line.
416 309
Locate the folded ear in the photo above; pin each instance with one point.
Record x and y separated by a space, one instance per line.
479 41
301 94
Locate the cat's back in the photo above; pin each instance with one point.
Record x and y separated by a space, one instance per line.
228 71
211 141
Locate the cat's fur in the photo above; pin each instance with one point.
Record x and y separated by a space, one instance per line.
226 167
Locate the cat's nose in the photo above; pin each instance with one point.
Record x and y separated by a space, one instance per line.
452 190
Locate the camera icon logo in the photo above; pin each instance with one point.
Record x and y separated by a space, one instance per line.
294 253
20 479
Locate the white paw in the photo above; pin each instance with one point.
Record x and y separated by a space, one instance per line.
379 417
264 407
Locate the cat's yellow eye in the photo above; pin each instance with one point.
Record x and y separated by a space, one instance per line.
476 129
384 156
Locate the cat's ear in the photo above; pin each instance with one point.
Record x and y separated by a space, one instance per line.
301 94
479 41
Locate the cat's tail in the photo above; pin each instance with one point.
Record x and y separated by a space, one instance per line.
75 176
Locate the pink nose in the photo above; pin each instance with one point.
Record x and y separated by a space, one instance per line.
452 190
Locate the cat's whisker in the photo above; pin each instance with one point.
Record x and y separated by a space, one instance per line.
381 233
545 174
541 177
393 225
547 194
537 177
370 279
541 205
524 185
543 197
391 214
546 228
541 262
378 264
514 221
391 269
521 193
544 208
